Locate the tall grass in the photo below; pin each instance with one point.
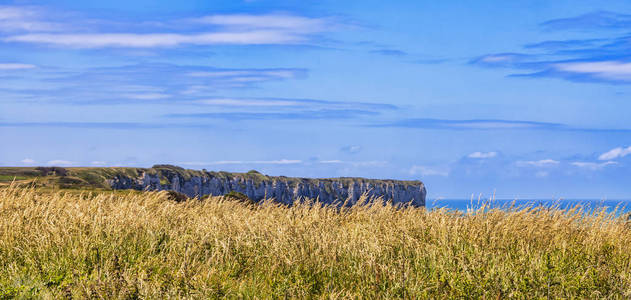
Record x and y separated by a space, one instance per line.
112 245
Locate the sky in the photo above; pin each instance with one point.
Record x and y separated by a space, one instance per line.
521 99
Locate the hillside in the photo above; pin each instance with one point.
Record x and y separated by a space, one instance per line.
198 183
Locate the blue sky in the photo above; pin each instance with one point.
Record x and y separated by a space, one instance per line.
527 99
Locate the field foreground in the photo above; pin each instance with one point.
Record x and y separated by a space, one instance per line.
142 245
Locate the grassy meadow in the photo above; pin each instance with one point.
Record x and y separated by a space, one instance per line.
56 244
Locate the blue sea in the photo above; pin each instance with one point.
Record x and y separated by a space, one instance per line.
623 206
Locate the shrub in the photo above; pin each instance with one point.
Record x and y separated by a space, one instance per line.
69 182
59 171
240 197
176 196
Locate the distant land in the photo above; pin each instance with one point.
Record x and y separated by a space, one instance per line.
198 183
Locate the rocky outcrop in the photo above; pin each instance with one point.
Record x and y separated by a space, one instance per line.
258 186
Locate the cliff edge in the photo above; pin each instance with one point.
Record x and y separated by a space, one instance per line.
196 183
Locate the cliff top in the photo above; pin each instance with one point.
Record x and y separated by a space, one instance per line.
96 177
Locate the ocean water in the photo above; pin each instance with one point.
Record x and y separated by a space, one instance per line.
623 206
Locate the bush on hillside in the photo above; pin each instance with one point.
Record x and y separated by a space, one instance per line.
59 171
176 196
240 197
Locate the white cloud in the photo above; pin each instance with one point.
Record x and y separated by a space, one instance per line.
615 70
152 40
98 163
246 102
245 73
482 155
539 163
335 161
498 58
428 171
59 162
28 161
273 21
615 153
593 166
9 12
352 149
237 29
495 125
26 18
13 66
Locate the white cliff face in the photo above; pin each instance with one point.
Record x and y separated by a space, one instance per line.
281 189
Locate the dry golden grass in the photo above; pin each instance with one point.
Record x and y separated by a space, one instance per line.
112 245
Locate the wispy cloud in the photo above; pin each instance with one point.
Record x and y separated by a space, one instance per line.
334 161
229 29
245 74
565 44
615 153
286 22
181 75
282 109
15 66
240 102
390 52
592 69
124 84
602 60
292 103
592 165
323 114
481 124
138 40
230 109
431 61
607 70
593 20
538 163
28 161
103 125
59 162
25 19
502 60
482 155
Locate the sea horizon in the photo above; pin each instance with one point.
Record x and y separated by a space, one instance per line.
623 205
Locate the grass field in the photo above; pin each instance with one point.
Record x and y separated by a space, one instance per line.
55 244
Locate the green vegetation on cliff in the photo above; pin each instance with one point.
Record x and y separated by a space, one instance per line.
67 178
97 178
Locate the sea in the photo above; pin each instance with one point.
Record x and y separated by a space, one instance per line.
618 206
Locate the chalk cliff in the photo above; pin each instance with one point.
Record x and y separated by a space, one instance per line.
258 186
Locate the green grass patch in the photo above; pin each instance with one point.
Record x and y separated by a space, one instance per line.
12 177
